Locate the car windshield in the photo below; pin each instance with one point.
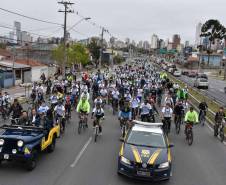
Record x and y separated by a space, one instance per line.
203 80
149 139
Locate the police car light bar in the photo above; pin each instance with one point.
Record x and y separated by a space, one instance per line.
148 123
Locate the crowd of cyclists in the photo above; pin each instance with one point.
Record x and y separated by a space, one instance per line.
135 90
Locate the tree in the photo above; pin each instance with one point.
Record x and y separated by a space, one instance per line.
213 29
2 46
94 49
118 59
76 54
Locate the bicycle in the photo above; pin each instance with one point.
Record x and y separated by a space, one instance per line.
82 122
166 125
124 126
189 133
115 106
97 128
60 121
219 130
159 100
178 123
202 118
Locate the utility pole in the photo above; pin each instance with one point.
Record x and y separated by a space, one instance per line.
66 10
101 42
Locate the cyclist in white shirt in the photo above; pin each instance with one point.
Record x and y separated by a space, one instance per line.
43 108
135 105
145 110
167 114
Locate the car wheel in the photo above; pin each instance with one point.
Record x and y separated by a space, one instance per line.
51 147
31 163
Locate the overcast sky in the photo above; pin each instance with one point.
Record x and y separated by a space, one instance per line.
136 19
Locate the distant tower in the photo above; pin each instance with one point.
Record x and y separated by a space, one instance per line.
197 34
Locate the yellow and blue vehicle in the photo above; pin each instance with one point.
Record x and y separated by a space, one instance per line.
24 143
145 153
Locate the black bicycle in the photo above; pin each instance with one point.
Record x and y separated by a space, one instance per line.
219 130
178 123
166 125
202 117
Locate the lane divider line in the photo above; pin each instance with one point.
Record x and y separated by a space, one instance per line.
81 153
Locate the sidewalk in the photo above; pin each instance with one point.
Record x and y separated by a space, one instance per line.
15 91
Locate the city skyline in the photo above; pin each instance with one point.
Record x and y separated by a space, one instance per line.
159 17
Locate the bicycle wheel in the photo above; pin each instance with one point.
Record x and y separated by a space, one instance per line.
222 135
123 131
79 127
178 126
96 134
190 137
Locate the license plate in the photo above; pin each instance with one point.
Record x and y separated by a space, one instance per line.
142 173
6 156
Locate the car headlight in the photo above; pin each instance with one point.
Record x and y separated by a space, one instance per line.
20 143
164 165
126 161
1 142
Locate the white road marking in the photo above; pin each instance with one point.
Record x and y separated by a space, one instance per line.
81 153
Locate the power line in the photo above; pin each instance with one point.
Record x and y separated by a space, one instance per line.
7 27
28 17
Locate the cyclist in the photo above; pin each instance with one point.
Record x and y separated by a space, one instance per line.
43 108
135 105
178 111
83 107
104 93
167 114
145 109
203 107
59 111
68 105
16 108
54 99
220 115
98 100
191 118
98 112
125 114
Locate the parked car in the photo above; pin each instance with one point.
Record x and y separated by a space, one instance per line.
201 83
202 75
225 89
177 73
192 74
185 72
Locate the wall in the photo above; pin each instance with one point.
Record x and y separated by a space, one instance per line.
37 71
214 60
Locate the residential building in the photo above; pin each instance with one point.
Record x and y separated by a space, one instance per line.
187 43
161 44
146 45
176 41
17 27
25 38
154 41
140 44
197 34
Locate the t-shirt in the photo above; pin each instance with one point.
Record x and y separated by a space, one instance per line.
167 112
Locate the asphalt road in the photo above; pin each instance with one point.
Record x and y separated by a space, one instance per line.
215 91
77 160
